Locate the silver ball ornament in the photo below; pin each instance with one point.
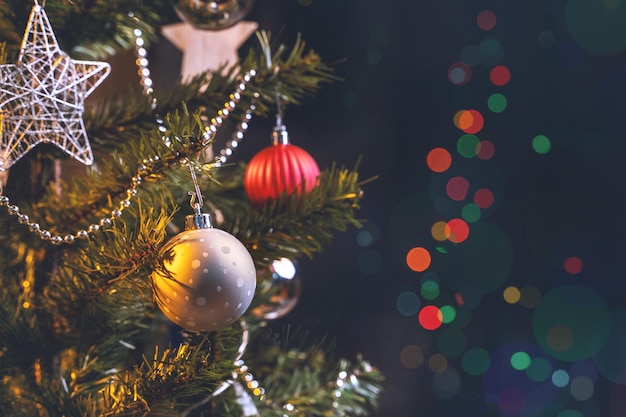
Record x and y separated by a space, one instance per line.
209 282
283 285
212 15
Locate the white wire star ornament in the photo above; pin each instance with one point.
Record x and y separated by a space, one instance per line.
42 96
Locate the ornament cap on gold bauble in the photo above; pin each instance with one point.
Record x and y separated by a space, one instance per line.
280 168
209 279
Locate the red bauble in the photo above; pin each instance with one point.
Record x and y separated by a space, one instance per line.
279 168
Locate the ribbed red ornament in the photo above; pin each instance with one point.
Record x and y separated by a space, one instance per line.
277 169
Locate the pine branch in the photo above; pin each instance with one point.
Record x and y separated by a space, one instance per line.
89 29
294 74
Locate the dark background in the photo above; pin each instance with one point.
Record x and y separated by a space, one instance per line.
394 105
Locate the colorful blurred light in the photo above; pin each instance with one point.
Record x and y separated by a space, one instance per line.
486 20
418 259
430 290
485 150
470 213
560 378
438 363
430 317
448 314
412 356
467 145
530 296
500 75
582 388
459 73
438 231
469 121
483 198
457 188
539 370
451 342
511 295
565 321
438 160
520 361
476 361
497 103
573 265
457 230
541 144
408 303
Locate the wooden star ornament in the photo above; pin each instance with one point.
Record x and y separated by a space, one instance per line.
42 96
205 50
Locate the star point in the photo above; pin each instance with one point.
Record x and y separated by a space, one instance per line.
205 50
42 96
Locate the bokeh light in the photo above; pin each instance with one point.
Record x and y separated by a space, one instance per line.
559 338
511 295
430 317
546 39
467 145
597 26
573 265
582 388
486 20
418 259
446 384
539 369
374 56
541 144
608 340
457 188
500 75
368 234
451 342
483 198
438 160
481 264
530 296
471 55
438 363
457 230
485 150
381 35
511 389
408 303
570 413
560 378
469 121
459 73
492 51
565 320
438 231
511 402
430 290
476 361
448 314
412 356
470 213
520 361
497 103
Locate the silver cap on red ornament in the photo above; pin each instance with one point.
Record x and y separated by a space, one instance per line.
280 136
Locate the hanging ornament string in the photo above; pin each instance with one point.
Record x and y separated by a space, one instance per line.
242 126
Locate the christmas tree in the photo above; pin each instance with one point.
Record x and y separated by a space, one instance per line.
140 262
